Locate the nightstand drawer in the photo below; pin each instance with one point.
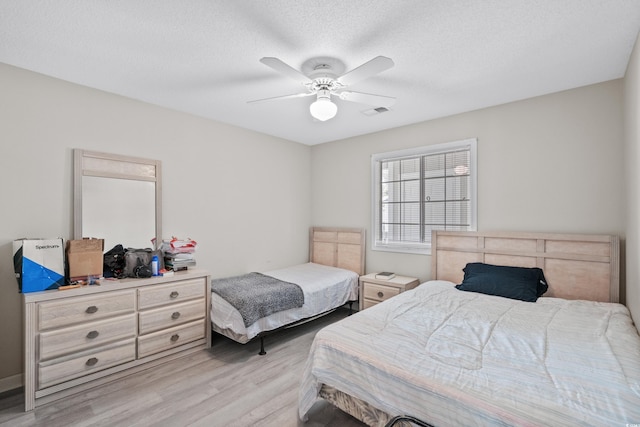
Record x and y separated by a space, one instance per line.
172 315
379 292
366 303
87 335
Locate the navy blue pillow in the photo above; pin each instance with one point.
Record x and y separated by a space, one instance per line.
521 283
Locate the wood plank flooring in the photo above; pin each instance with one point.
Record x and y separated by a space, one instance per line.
226 385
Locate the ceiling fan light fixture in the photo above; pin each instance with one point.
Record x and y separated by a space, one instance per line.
323 77
323 109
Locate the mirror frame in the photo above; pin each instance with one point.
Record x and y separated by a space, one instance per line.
97 164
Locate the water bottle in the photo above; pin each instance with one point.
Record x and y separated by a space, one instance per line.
154 265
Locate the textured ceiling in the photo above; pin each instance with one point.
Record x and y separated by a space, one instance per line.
202 56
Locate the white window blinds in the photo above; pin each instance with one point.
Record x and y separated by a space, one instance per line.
420 190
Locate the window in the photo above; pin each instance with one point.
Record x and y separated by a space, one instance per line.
422 189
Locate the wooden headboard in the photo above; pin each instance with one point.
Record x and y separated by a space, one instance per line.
576 266
338 247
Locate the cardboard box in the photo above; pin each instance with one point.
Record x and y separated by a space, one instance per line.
85 258
38 264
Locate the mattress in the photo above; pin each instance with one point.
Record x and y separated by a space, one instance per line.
460 358
324 288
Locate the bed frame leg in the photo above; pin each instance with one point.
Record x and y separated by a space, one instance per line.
350 308
262 352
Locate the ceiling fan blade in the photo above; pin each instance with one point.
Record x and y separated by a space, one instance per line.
368 69
277 98
367 98
286 69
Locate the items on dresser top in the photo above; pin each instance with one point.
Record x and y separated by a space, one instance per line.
41 264
38 264
179 254
114 262
87 336
138 262
85 259
374 290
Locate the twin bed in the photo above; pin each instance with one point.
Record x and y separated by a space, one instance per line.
450 357
328 281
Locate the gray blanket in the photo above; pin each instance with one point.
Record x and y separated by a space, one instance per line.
256 295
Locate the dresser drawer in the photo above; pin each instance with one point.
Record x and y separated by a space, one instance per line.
168 338
72 339
171 315
153 296
57 371
68 311
379 292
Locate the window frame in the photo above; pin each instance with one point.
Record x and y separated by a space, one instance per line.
442 148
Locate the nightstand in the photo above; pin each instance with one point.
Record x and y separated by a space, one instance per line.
373 291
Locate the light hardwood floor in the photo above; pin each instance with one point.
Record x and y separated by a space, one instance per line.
226 385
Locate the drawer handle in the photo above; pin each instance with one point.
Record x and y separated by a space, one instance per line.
380 294
92 361
175 315
175 337
93 334
174 294
91 309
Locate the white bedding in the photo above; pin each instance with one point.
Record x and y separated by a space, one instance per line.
460 358
324 288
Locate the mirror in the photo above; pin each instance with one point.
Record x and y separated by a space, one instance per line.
117 198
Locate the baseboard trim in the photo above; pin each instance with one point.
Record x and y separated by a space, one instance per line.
11 383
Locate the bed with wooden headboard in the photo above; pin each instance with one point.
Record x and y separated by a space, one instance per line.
577 266
338 247
326 282
451 357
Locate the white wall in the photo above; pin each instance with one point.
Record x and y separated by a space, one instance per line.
632 178
242 195
552 163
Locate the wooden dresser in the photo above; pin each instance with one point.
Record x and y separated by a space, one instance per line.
80 338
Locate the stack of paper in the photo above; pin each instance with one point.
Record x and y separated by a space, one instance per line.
179 254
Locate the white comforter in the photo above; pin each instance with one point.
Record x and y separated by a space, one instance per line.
324 288
460 358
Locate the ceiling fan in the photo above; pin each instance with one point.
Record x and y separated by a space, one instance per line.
324 77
